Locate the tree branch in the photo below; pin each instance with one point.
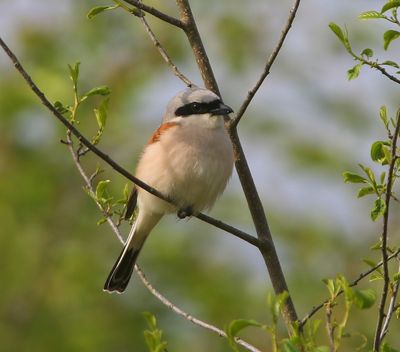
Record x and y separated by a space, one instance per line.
165 55
267 247
153 11
238 233
192 33
386 278
354 283
270 61
138 270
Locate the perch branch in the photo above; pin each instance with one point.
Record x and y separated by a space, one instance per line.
236 232
267 247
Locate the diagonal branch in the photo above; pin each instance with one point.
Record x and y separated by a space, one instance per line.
268 65
354 283
267 247
156 13
165 55
217 223
138 270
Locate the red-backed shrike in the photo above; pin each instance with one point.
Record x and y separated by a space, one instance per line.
189 158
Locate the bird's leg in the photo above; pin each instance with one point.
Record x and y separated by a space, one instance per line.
185 212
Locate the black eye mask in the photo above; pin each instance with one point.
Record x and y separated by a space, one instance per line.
197 108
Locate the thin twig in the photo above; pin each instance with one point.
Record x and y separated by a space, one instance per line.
270 61
138 270
217 223
363 275
192 319
153 11
391 308
386 278
165 55
267 247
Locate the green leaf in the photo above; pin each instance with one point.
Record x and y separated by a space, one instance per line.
383 116
396 277
236 326
101 114
377 152
378 209
370 262
99 9
321 349
389 5
101 189
390 63
365 191
367 52
101 90
288 346
354 72
376 276
351 177
150 319
388 37
342 35
74 73
370 15
60 107
385 347
101 221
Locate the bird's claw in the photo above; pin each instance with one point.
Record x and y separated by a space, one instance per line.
185 212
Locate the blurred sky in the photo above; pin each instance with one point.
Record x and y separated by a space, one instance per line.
306 126
309 74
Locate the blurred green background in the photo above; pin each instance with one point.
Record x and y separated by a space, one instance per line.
306 126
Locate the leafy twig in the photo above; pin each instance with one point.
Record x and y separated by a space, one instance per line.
217 223
138 270
386 278
363 275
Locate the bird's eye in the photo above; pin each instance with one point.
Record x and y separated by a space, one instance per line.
195 107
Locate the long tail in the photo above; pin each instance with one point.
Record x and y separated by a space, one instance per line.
121 272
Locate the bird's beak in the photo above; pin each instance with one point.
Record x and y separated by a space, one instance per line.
222 109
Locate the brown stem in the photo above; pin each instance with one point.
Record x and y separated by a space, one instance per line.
386 278
153 11
267 247
192 33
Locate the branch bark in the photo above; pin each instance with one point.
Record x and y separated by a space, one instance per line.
267 247
386 278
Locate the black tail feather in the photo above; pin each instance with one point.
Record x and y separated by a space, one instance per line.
121 272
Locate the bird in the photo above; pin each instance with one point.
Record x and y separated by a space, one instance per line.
189 159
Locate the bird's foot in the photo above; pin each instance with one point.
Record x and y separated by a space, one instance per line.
185 212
